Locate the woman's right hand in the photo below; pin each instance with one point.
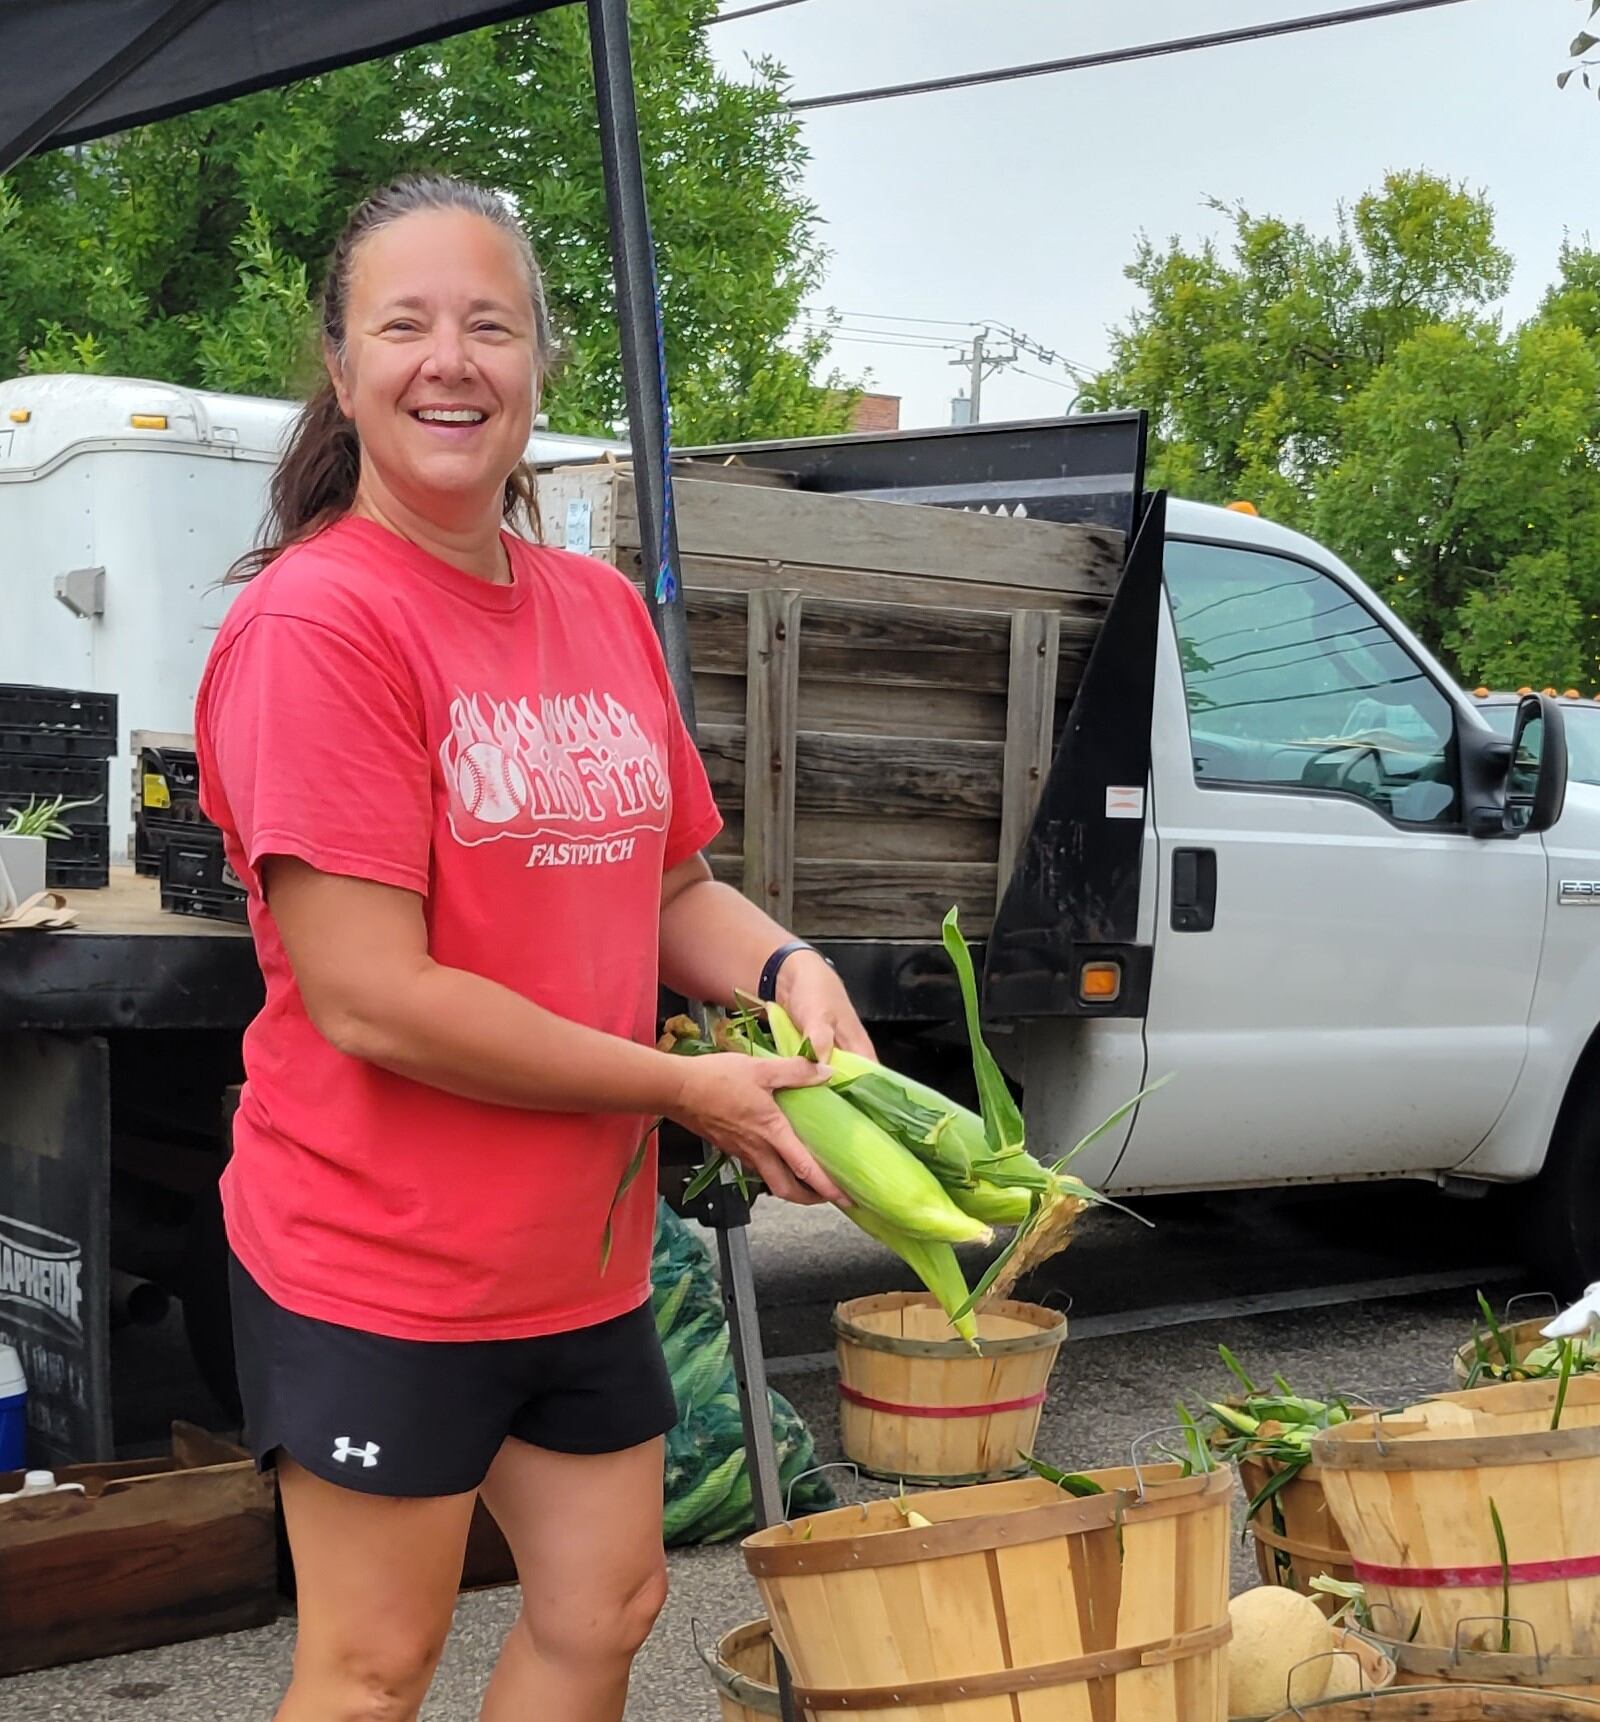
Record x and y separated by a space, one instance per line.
727 1098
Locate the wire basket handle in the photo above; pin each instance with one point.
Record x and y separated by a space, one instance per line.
816 1470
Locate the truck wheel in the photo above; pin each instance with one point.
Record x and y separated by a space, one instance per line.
207 1308
1562 1220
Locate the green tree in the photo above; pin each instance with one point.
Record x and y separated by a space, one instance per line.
1247 361
1359 387
189 250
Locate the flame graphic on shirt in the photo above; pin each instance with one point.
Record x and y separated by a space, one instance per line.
579 765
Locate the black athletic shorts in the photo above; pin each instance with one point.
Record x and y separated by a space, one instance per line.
426 1417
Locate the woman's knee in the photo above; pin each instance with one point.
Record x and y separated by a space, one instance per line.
381 1678
594 1627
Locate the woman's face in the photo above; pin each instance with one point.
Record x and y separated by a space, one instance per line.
440 372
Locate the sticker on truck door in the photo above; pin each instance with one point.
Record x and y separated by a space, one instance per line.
1123 803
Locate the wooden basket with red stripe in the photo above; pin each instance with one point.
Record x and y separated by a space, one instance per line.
917 1406
1009 1600
1475 1528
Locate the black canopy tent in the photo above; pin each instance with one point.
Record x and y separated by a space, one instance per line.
73 70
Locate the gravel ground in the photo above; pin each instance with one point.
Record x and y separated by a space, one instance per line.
1106 1391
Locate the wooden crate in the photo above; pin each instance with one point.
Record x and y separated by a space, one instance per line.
156 1551
879 686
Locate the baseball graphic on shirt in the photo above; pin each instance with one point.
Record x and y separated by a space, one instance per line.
493 786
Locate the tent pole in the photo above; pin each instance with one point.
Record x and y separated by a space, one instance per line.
633 269
642 368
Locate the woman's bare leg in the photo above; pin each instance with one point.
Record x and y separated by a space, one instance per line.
376 1580
585 1530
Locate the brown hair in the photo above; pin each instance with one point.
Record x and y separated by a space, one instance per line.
315 482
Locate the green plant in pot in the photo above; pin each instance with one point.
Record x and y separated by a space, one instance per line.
24 832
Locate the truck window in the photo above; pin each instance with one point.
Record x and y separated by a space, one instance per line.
1293 684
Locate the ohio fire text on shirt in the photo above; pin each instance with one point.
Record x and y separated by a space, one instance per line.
576 774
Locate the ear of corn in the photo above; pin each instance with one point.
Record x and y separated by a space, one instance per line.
994 1204
873 1169
934 1264
921 1172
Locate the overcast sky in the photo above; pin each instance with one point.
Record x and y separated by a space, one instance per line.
1022 202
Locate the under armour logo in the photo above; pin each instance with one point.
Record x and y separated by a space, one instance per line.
343 1451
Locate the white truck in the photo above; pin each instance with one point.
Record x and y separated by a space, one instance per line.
1365 954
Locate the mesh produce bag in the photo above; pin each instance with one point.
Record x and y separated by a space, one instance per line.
707 1480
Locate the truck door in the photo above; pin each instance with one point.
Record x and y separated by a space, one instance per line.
1342 975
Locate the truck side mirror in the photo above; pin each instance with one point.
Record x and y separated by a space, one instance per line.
1518 785
1536 777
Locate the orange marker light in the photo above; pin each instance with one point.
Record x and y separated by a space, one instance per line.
1099 983
19 415
1480 693
1245 508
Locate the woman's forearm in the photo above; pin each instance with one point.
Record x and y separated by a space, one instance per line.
714 941
473 1037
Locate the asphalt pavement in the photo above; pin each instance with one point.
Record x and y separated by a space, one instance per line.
1363 1291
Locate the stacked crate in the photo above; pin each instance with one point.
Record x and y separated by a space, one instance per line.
173 840
59 742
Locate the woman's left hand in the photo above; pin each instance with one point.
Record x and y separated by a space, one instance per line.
814 996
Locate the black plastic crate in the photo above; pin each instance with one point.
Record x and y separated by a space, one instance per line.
57 721
81 862
168 804
197 880
26 777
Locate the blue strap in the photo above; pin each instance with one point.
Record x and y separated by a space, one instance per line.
667 578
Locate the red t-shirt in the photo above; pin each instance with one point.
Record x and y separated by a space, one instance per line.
514 755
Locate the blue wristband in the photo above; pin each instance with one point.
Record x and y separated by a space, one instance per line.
767 986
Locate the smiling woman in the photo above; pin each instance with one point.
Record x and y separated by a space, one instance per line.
449 768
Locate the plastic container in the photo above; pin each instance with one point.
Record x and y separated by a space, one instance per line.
197 880
26 777
81 862
167 805
57 721
13 1411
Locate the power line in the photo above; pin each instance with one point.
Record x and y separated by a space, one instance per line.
1121 56
942 322
883 337
833 335
750 11
1040 377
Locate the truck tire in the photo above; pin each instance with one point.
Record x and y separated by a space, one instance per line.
207 1307
1561 1219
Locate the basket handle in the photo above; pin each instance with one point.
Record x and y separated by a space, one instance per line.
699 1649
1458 1650
1149 1435
1548 1297
800 1476
1321 1656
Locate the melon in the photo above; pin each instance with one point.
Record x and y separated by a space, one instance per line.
1346 1676
1274 1630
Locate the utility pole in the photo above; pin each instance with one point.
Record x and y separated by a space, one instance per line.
979 363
